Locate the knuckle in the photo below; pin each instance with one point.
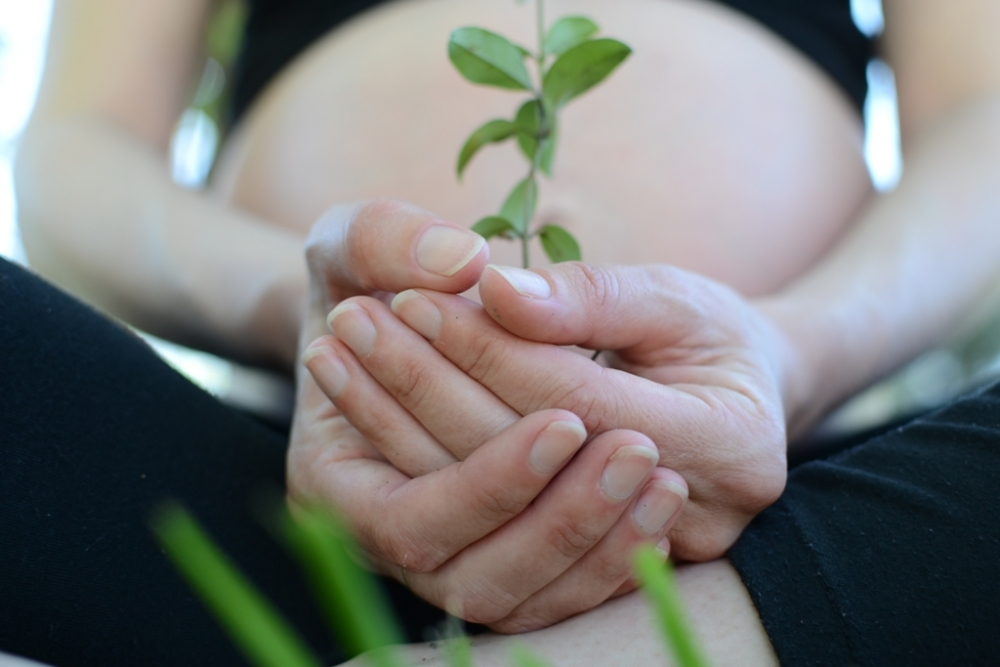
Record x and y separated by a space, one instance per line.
487 358
518 623
407 549
573 537
584 398
482 601
410 381
495 504
598 286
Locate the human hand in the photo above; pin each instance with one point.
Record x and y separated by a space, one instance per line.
695 367
489 538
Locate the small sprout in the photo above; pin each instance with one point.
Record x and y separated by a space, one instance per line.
581 62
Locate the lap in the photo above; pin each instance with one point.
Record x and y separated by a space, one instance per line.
888 553
96 431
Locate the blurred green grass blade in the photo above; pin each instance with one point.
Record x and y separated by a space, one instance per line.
253 624
457 645
354 602
657 581
521 656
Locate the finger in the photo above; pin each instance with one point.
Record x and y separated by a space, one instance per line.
391 245
486 581
605 570
420 523
530 376
636 309
455 409
372 410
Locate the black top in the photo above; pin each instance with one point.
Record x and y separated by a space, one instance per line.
278 30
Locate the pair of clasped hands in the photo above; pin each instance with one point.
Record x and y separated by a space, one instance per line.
497 473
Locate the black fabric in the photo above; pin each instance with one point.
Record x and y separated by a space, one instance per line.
889 553
824 31
94 432
278 30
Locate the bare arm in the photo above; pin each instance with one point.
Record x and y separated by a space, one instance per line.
922 261
99 213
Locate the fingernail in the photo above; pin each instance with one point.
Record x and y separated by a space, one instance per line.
327 369
527 283
663 549
446 250
656 506
350 323
418 312
554 446
626 469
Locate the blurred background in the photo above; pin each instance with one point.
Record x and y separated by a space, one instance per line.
23 31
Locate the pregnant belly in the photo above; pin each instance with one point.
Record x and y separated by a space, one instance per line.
715 147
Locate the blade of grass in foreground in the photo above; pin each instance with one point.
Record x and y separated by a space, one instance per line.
456 644
657 581
252 623
357 608
522 657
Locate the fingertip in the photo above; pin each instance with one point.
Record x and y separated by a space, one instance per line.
556 444
325 366
445 250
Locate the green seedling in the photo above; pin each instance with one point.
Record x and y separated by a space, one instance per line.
569 60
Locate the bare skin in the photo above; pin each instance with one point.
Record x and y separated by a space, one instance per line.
855 289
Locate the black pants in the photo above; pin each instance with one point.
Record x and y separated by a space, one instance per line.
886 554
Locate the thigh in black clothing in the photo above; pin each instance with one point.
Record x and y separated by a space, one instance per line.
94 431
888 553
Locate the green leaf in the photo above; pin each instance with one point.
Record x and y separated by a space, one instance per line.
492 132
527 119
351 597
253 624
581 68
519 207
492 226
657 581
488 58
567 32
559 244
521 656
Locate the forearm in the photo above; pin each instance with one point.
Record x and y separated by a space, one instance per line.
915 271
100 216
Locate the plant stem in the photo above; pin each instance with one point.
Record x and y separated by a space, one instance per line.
536 158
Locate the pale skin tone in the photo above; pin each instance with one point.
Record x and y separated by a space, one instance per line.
911 272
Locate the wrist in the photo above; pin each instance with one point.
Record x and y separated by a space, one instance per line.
811 358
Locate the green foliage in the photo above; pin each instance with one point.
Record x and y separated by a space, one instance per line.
252 623
457 646
580 69
489 59
359 613
567 32
522 657
519 207
581 62
657 580
492 132
494 225
559 244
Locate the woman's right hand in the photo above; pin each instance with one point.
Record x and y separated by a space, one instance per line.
517 525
